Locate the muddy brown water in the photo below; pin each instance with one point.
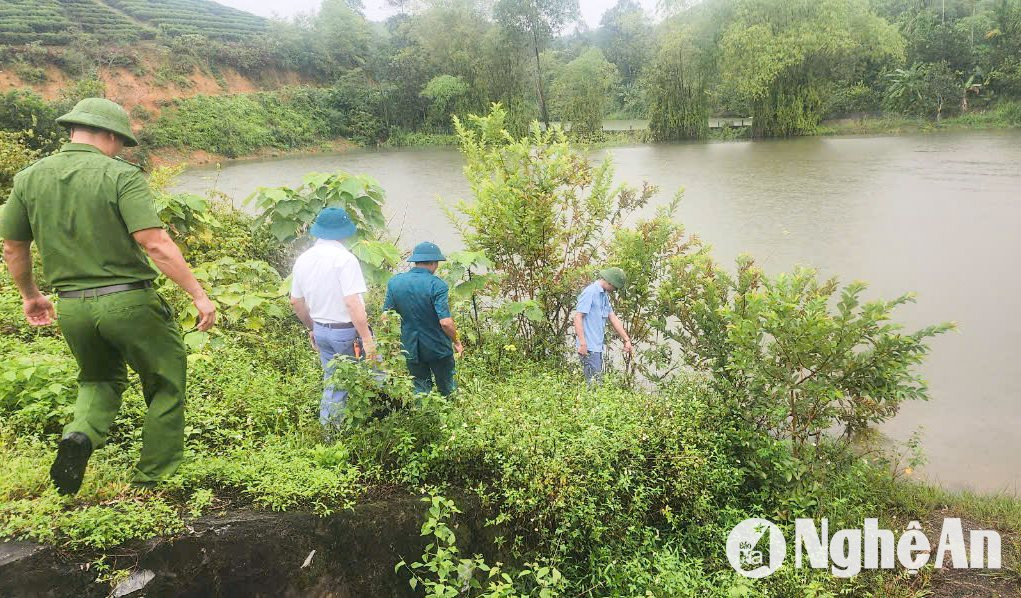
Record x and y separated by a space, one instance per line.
936 214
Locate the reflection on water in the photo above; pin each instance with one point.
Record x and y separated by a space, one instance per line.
935 214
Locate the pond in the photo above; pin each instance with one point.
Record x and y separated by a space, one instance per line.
935 214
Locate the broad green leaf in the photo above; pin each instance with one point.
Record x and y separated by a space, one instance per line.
283 229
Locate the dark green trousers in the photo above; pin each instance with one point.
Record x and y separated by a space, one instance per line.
424 371
106 334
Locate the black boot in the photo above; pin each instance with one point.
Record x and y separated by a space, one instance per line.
68 468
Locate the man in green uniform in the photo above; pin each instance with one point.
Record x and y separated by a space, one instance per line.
93 220
428 332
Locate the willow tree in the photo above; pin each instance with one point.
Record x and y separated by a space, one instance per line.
678 82
784 58
581 89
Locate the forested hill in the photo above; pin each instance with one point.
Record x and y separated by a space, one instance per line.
56 22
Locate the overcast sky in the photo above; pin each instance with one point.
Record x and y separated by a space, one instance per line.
376 10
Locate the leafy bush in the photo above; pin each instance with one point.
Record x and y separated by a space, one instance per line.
15 154
32 75
849 367
541 214
86 87
647 254
579 475
930 90
379 388
447 96
792 361
455 575
25 110
236 125
291 212
36 383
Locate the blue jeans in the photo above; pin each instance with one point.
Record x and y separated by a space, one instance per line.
592 366
332 342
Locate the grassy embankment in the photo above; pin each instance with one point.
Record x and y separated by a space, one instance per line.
1006 115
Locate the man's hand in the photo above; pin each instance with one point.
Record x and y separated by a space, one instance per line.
458 348
38 310
312 339
369 346
167 257
583 348
207 312
629 348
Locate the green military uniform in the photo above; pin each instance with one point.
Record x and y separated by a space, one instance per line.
80 207
422 300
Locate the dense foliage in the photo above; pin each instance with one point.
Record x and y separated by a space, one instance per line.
787 64
541 214
241 124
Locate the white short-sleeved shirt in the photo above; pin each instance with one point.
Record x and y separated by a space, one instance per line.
323 275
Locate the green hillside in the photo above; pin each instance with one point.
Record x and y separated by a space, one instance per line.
54 22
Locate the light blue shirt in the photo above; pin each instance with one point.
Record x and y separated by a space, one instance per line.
594 304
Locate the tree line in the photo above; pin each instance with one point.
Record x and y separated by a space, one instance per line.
786 63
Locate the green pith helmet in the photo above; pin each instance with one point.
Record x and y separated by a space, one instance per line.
614 276
101 113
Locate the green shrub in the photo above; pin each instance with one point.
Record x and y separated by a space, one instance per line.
90 86
542 214
577 472
932 90
37 383
288 214
140 113
32 75
16 153
25 110
237 125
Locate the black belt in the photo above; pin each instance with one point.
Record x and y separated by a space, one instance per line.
107 290
336 326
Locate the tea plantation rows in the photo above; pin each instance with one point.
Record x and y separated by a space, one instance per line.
53 22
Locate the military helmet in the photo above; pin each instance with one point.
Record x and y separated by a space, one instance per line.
101 113
614 276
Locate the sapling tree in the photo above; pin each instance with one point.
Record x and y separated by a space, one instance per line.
647 252
801 365
544 216
794 356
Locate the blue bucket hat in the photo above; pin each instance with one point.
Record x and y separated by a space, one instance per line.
426 252
333 224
